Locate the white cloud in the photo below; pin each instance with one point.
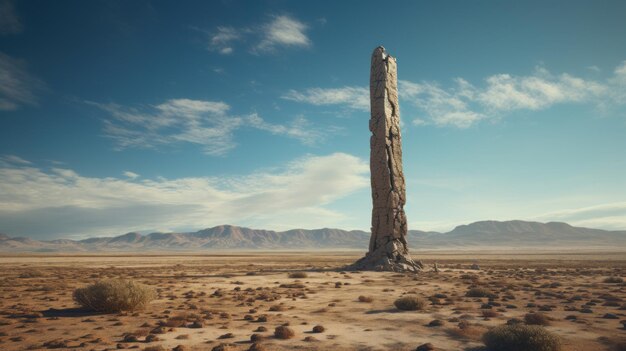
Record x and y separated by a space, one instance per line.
442 107
9 21
131 175
17 86
223 38
300 129
60 201
204 123
505 92
12 159
283 31
354 97
464 104
611 216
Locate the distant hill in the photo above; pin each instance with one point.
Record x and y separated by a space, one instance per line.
478 235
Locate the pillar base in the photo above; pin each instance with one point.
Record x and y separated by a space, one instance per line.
387 258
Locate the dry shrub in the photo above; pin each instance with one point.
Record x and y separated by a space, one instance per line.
283 332
318 329
490 313
465 331
521 338
365 298
298 275
409 303
536 319
31 273
613 280
114 295
479 292
278 308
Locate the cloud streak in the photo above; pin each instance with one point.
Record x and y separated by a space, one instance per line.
204 123
464 104
611 216
353 97
17 86
280 31
283 31
62 202
9 21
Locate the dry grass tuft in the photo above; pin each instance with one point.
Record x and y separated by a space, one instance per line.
521 338
365 298
409 303
536 319
114 295
613 280
479 292
283 332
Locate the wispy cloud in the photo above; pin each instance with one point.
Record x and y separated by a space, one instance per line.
204 123
62 202
463 104
17 86
223 38
14 160
131 175
606 216
9 20
281 31
351 96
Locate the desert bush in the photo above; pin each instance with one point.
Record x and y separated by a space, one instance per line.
536 319
318 329
613 280
298 275
479 292
409 303
278 308
114 295
521 338
490 313
31 273
466 331
365 298
283 332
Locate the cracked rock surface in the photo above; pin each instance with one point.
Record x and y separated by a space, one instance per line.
388 247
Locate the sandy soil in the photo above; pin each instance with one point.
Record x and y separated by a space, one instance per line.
238 293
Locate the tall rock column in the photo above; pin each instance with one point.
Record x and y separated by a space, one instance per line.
388 248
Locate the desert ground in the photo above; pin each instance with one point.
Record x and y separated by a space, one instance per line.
223 301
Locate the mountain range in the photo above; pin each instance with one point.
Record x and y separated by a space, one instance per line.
478 235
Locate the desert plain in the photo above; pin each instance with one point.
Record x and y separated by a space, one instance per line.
226 301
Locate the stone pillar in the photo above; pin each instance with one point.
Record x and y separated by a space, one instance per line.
388 248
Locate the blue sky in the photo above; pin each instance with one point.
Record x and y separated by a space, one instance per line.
119 116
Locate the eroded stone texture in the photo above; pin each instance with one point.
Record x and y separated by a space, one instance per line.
388 247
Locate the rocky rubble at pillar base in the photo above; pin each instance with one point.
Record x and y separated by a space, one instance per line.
387 258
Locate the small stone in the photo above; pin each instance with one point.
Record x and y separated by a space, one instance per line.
435 323
130 338
152 338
